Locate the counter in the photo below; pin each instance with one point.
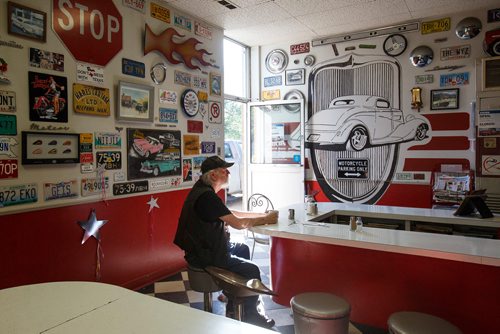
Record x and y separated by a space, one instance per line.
381 271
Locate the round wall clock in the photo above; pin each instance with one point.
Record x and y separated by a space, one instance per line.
190 102
158 73
276 61
394 45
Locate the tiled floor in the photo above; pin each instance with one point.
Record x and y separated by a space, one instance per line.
176 289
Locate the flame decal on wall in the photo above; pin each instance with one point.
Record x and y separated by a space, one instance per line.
176 53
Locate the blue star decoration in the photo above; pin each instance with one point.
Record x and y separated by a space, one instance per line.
91 226
153 203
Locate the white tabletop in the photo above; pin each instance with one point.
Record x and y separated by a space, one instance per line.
452 247
87 307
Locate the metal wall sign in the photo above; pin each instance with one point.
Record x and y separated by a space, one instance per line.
201 30
455 52
91 100
440 25
276 80
183 22
8 169
18 194
494 15
133 68
94 186
7 101
454 79
300 48
167 96
8 125
126 188
7 146
167 115
107 140
208 147
424 79
138 5
110 160
64 189
159 12
90 73
86 155
352 168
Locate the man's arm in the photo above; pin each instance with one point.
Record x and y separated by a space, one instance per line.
240 220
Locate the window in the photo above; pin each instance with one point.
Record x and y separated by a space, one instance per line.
236 69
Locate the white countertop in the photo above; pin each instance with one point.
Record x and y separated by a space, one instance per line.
451 247
88 307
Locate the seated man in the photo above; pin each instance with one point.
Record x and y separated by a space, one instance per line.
202 231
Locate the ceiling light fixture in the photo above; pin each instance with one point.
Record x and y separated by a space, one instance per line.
227 4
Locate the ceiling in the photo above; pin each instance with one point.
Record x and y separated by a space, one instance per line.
263 22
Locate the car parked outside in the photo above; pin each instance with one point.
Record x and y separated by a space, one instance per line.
360 121
145 147
233 153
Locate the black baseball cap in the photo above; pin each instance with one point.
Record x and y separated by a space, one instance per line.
214 162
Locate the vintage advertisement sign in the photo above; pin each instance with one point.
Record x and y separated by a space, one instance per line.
7 146
273 81
86 155
202 30
455 52
95 186
352 168
159 12
215 112
63 189
8 169
91 100
300 48
200 82
182 78
202 96
48 97
183 22
8 125
18 194
488 123
168 96
208 147
270 94
110 159
191 144
424 79
133 68
46 60
90 73
195 126
109 140
167 115
126 188
138 5
430 27
454 79
7 101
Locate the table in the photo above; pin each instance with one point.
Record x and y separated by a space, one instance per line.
88 307
381 271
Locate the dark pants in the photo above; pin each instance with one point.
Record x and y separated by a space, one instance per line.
239 263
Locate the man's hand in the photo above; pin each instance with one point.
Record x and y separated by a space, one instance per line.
270 217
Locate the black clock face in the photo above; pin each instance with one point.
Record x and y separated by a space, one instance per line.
394 45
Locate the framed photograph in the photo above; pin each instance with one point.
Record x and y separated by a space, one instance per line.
136 102
295 77
445 99
50 148
26 22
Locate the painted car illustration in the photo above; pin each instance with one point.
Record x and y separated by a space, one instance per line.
145 147
491 42
360 121
162 163
169 140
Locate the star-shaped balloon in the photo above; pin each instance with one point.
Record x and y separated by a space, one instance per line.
153 204
91 226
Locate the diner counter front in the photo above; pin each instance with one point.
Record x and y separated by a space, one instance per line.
381 271
88 307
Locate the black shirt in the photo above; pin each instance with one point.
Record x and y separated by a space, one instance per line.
210 207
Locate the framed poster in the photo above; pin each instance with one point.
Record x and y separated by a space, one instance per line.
50 148
136 102
48 97
26 22
444 99
153 153
295 77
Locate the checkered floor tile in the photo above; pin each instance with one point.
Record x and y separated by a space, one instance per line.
176 289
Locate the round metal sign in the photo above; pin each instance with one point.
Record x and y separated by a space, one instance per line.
276 61
190 102
309 60
158 73
293 95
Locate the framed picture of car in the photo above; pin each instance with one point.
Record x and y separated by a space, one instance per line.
136 102
295 77
445 99
26 22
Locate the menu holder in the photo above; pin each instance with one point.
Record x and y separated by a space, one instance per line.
471 203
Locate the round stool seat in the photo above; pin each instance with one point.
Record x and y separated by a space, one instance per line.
320 312
419 323
200 280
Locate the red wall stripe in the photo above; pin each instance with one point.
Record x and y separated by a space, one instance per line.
455 143
451 121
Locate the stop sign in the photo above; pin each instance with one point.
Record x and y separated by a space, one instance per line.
90 29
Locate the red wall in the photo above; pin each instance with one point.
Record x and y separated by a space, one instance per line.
45 245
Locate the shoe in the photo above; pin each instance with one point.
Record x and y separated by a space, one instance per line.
259 320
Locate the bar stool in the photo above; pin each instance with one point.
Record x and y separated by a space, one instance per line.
320 312
236 287
201 281
419 323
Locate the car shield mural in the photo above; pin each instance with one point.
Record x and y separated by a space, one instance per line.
355 126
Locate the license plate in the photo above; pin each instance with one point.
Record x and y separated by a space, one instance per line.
110 160
130 187
64 189
18 194
436 26
94 186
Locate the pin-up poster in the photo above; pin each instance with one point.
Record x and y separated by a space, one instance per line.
48 98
